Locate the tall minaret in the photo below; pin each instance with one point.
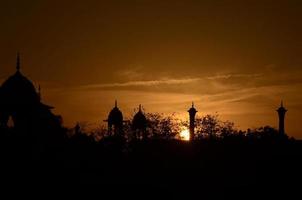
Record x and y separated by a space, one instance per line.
281 112
192 112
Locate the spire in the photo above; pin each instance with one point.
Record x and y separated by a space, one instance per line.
281 108
192 112
18 62
192 109
115 103
140 108
282 103
281 113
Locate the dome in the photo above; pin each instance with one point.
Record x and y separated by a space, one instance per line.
139 120
115 116
21 102
17 89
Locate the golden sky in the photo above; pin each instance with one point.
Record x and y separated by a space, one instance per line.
237 58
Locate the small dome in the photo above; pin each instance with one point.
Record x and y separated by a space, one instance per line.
17 89
115 116
139 120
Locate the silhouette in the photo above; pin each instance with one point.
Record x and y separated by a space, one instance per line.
220 158
20 101
22 110
139 124
192 112
281 113
115 121
77 129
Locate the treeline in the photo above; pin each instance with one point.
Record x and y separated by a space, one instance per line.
169 127
220 154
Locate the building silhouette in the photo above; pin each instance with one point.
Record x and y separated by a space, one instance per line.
22 111
281 113
115 121
139 124
192 112
21 102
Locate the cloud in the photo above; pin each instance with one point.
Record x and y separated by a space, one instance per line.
245 100
134 72
142 83
228 76
167 81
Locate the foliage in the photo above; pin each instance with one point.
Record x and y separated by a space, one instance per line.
210 126
265 133
161 126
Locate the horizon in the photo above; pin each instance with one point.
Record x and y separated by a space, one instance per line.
182 115
237 59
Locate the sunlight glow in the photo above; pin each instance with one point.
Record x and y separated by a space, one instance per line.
185 135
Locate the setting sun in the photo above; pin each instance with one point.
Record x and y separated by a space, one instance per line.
185 135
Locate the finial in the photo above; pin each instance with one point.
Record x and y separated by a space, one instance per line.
18 62
192 104
116 103
140 107
281 103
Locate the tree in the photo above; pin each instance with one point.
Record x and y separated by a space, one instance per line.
210 126
161 126
266 133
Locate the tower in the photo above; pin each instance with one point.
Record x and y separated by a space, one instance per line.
139 124
115 121
192 112
281 112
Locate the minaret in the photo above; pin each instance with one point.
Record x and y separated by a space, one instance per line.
281 112
139 124
192 112
18 62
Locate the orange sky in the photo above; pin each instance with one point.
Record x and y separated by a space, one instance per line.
237 58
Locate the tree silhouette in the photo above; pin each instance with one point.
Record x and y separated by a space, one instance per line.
210 126
161 126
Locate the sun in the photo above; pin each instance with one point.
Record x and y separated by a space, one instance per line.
185 135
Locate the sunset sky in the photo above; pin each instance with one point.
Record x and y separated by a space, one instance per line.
237 58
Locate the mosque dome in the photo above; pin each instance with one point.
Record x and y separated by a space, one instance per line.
17 89
115 116
139 120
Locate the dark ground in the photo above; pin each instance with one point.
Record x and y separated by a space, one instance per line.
206 169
